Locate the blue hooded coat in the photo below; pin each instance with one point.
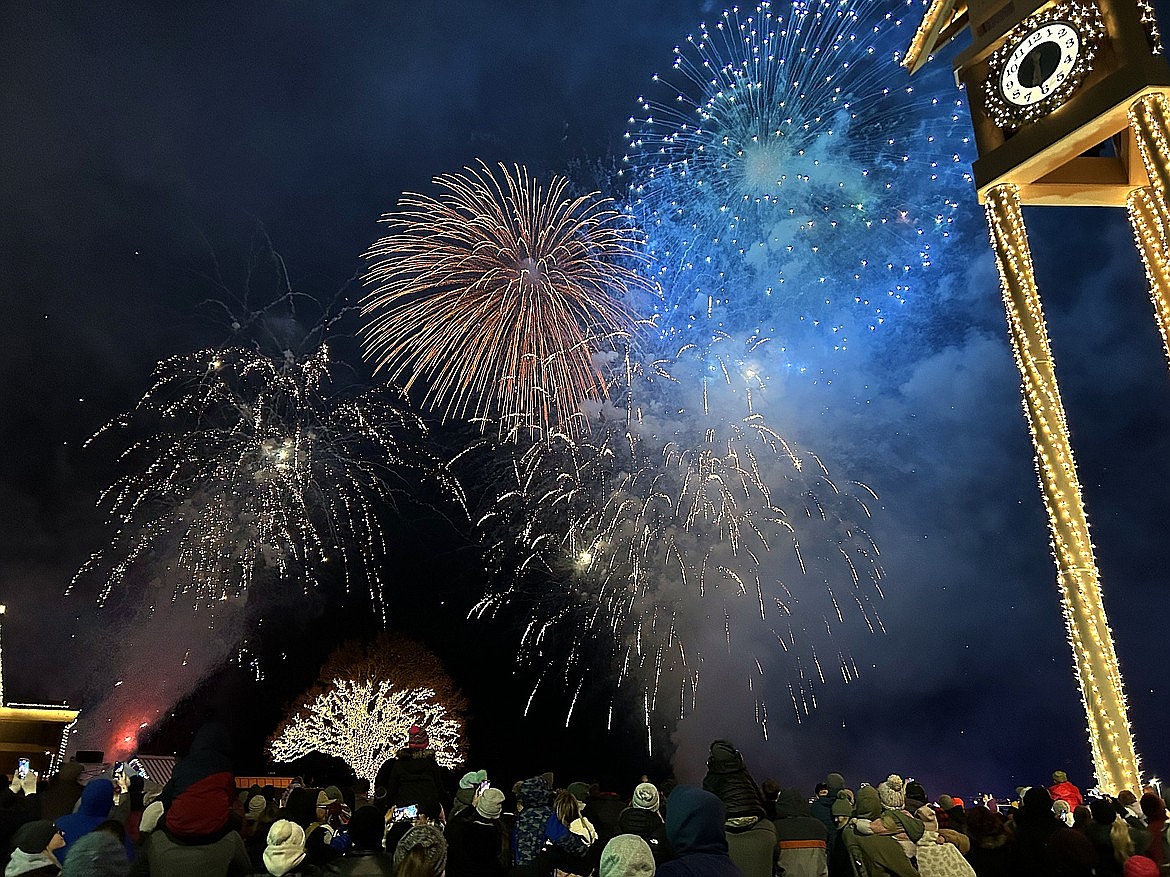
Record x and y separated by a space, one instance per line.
97 800
694 827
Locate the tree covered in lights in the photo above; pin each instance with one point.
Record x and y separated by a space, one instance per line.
364 701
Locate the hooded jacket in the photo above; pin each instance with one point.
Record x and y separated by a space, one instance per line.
648 825
94 808
23 864
199 797
537 826
800 837
694 827
727 778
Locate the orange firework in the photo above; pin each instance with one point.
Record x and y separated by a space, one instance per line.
499 295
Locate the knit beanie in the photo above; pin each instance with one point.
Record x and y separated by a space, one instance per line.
33 837
1059 776
580 791
842 806
945 802
645 797
627 855
1140 866
150 816
97 854
472 778
490 804
417 738
890 793
286 847
256 807
835 782
430 839
869 804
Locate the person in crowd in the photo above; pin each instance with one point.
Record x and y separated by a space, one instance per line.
422 852
59 796
940 852
915 796
1157 848
643 818
1099 831
951 813
96 854
34 855
603 809
1043 844
336 812
365 857
1127 806
838 857
801 839
895 820
538 833
165 854
881 853
1063 790
728 779
990 854
19 803
92 810
413 776
627 855
1140 866
476 841
770 789
751 837
822 805
285 852
469 785
568 810
199 797
258 818
694 827
304 808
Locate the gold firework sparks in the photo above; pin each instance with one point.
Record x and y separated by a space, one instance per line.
500 296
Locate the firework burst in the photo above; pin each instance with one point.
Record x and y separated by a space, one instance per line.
791 182
255 467
685 506
499 295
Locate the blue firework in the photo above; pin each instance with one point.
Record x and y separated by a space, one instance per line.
790 178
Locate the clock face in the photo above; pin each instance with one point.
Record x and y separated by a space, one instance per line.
1040 63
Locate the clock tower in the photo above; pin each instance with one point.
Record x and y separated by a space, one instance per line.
1069 105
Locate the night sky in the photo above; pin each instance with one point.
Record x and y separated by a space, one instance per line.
144 146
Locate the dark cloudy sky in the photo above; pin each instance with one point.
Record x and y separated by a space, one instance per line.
142 141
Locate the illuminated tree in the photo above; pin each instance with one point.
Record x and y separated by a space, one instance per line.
367 696
364 723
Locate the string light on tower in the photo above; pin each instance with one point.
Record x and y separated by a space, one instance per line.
1095 660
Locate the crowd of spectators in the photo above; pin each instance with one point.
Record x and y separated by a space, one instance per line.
417 820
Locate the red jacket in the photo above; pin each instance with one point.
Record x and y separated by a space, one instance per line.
1066 791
